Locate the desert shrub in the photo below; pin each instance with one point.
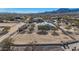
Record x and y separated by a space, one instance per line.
44 27
31 28
55 34
6 29
42 32
68 27
6 44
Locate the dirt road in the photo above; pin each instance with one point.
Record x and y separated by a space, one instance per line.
11 31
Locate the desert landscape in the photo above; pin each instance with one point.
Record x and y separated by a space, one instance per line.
48 31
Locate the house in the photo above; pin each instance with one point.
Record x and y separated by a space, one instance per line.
46 23
37 20
17 18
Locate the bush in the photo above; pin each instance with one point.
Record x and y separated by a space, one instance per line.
31 29
42 32
44 27
6 44
6 29
68 27
55 34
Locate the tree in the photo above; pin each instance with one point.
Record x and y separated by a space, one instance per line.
43 29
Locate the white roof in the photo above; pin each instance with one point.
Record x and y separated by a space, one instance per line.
46 23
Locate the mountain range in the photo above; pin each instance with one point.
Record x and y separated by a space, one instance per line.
65 10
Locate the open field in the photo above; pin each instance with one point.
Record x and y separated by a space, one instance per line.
40 39
49 31
34 38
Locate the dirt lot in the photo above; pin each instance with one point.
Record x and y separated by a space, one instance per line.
40 39
8 24
13 29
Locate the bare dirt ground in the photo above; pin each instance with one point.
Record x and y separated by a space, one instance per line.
40 39
25 38
8 24
13 29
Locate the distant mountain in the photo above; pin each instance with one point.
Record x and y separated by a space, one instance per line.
65 10
58 11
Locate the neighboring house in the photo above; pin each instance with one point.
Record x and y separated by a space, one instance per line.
17 19
46 23
37 20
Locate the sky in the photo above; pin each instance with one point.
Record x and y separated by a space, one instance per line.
26 10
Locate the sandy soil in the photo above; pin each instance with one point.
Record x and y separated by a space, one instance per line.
12 30
8 24
40 39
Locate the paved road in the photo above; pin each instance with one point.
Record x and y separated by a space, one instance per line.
11 31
